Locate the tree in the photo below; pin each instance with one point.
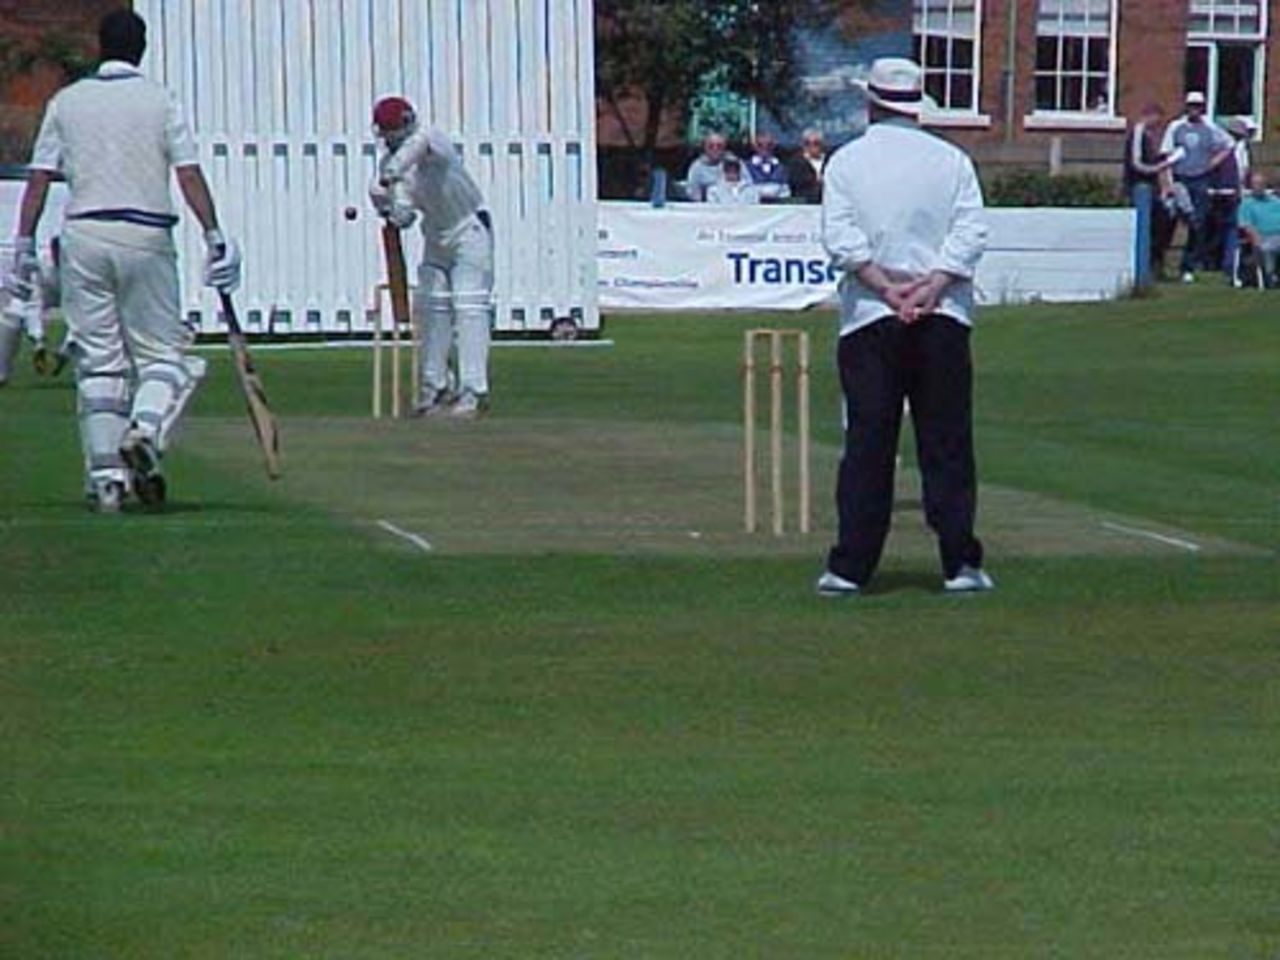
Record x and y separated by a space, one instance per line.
658 53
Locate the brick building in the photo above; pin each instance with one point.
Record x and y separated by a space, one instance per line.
40 42
1020 80
1014 75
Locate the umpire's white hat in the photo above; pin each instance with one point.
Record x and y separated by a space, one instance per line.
897 84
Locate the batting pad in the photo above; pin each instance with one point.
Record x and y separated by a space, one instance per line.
103 408
165 388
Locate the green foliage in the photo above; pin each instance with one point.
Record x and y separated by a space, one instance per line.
664 51
56 49
1037 188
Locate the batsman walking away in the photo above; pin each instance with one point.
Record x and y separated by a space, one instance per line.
115 136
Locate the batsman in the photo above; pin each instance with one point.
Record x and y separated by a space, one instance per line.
420 177
117 137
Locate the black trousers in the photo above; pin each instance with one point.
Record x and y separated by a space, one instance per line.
928 363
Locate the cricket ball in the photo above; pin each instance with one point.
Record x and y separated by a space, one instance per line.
351 213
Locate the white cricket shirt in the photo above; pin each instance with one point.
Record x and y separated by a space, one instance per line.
426 171
115 136
909 202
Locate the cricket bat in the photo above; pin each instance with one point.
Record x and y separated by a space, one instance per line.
255 397
398 287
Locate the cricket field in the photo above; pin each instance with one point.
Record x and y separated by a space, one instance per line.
522 687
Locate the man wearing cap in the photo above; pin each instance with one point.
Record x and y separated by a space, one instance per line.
419 174
1198 147
902 218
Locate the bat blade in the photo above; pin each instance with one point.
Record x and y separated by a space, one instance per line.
255 395
397 273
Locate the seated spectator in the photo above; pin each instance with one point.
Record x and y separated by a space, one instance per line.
804 174
707 168
767 171
733 188
1260 223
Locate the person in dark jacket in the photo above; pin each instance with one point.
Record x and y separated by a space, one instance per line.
804 173
1145 164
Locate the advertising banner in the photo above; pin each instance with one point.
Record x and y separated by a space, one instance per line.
702 257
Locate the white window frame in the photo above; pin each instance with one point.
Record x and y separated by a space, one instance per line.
952 116
1212 41
1083 119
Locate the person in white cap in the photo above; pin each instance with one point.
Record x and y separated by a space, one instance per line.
420 175
902 220
116 136
1199 146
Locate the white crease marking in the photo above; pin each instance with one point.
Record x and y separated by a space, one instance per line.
403 534
1152 535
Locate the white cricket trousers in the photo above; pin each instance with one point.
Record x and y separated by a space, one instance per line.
132 368
454 298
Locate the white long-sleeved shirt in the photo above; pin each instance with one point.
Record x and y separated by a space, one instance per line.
910 203
426 173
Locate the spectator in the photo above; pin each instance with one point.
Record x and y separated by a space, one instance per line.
804 174
1260 223
707 168
1242 130
1197 148
733 189
1144 164
767 171
1228 182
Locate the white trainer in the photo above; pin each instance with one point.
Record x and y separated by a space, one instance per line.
469 406
106 497
143 460
833 585
969 580
433 403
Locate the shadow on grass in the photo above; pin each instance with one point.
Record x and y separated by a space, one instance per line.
903 581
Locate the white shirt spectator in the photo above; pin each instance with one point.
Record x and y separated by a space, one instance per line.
734 192
868 184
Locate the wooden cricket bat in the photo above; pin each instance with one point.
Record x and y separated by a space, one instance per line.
398 287
397 273
255 397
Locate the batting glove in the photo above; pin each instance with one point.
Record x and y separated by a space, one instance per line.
380 196
222 262
25 272
401 215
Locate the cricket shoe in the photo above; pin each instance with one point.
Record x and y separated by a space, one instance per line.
105 497
969 580
469 406
143 461
433 403
833 585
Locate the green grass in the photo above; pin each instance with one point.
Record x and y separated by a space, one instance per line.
259 727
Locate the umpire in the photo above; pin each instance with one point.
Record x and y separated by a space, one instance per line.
902 218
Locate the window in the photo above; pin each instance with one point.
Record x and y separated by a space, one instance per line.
1075 57
946 46
1226 54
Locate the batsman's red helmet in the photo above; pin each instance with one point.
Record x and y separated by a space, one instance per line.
391 114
